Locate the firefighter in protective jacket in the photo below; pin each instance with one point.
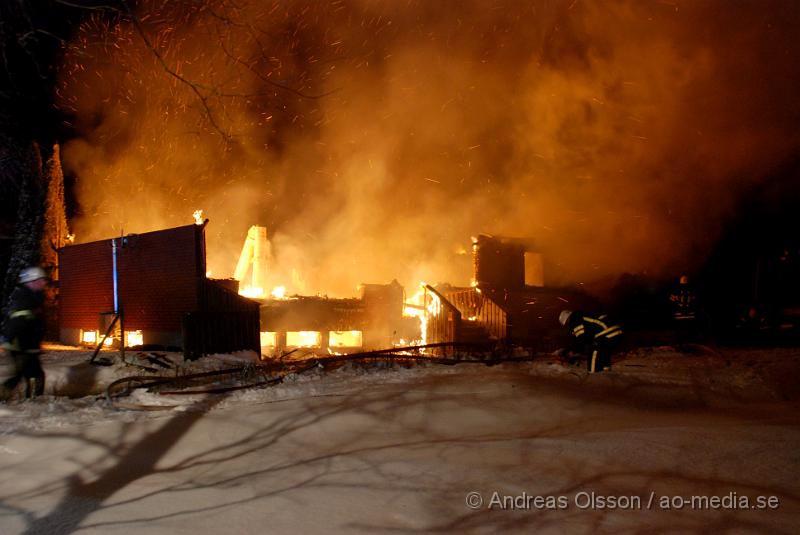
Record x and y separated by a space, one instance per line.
684 311
23 331
595 335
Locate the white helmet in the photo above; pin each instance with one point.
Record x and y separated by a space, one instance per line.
31 274
563 318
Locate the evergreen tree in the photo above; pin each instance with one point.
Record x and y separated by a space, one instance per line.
31 38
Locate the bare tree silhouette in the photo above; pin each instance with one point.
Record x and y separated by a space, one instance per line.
380 445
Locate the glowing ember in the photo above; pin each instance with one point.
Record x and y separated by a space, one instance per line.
198 217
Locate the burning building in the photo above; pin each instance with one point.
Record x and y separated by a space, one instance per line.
507 303
374 320
614 149
151 289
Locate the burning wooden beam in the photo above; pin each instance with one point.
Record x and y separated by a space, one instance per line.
255 258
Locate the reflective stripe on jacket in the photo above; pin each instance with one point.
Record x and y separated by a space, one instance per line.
22 314
599 328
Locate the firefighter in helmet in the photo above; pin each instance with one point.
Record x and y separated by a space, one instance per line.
684 311
23 331
594 335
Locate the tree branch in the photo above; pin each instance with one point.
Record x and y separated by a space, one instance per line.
195 87
137 24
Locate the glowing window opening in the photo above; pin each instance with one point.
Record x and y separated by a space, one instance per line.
269 339
89 337
303 339
134 338
345 339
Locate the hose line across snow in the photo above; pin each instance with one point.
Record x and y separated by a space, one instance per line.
274 372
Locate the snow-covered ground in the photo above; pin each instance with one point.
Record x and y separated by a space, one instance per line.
519 447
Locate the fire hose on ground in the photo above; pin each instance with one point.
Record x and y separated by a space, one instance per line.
275 372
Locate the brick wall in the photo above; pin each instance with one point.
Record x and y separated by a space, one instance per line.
159 275
85 286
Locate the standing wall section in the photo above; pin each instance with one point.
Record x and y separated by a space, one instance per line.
85 288
158 276
225 322
158 281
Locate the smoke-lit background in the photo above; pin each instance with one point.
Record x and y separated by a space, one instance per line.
373 138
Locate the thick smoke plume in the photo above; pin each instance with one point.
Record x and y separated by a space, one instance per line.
374 138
